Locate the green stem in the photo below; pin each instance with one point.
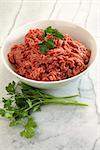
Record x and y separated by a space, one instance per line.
50 96
34 105
67 96
65 102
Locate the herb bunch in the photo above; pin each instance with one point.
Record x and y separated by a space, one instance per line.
22 100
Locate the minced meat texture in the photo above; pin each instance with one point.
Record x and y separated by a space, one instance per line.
67 59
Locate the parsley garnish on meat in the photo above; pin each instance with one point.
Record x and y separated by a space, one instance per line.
53 31
22 100
46 45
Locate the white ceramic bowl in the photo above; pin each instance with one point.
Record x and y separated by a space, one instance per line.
75 31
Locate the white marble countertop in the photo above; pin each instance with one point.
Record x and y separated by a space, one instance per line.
59 127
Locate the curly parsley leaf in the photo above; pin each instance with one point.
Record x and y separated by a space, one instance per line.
54 32
46 45
14 123
7 102
9 114
44 35
59 35
29 130
11 88
50 30
50 44
43 48
2 112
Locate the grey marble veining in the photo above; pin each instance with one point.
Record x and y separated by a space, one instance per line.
15 18
59 127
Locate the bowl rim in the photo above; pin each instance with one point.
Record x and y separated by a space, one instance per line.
47 82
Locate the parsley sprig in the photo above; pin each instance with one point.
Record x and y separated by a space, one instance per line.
22 100
46 45
52 31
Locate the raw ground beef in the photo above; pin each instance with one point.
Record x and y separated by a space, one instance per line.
67 59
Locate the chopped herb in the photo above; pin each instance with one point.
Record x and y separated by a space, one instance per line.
43 48
59 35
50 30
54 32
24 99
48 44
44 35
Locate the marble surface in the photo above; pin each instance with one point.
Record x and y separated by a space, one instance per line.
59 127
